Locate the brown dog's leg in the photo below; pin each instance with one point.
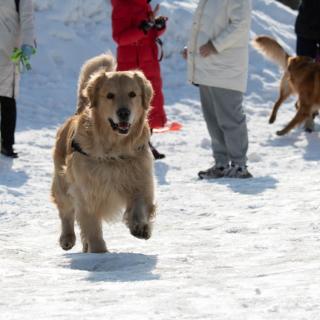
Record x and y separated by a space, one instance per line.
139 216
309 124
68 238
285 92
66 212
300 116
91 232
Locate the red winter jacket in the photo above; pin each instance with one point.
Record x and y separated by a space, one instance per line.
137 50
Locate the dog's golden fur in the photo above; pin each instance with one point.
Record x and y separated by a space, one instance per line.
301 77
102 164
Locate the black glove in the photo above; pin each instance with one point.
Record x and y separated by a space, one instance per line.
145 26
160 23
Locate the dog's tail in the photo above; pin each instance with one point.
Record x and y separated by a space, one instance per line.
271 49
104 62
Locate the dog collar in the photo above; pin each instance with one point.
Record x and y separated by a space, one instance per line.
77 148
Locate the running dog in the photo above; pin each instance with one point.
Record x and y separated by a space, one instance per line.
301 77
103 166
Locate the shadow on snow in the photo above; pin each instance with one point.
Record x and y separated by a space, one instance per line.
9 177
311 152
252 186
114 267
161 170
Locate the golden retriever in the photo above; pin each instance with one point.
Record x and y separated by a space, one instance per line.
103 166
301 76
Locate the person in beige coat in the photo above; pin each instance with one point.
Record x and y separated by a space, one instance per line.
16 31
217 55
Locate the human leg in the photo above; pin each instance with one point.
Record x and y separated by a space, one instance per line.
307 47
209 106
157 117
232 122
8 125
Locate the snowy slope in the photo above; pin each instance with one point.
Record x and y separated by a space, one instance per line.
220 250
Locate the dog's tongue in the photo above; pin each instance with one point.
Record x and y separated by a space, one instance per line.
123 125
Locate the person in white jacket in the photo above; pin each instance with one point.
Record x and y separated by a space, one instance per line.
16 31
217 56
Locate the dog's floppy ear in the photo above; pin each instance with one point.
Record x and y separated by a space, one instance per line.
91 91
146 89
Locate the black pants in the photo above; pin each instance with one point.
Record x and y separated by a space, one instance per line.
8 121
308 47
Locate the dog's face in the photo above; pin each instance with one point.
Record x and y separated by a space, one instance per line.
121 99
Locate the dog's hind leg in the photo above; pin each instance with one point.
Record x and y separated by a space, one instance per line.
309 124
285 92
297 119
138 218
91 232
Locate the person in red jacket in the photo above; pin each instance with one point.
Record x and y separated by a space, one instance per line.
135 29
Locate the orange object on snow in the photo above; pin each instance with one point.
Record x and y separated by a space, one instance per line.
173 126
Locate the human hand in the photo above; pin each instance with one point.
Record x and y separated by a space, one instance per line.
27 50
160 22
184 53
207 49
145 26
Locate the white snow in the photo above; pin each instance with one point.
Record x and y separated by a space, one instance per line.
221 250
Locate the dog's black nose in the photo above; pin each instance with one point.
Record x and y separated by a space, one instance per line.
123 114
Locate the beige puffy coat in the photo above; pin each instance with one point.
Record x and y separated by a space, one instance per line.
227 24
15 30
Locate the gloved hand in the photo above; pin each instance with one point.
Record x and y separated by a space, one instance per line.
145 26
27 50
160 22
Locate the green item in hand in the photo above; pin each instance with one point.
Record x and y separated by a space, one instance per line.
18 57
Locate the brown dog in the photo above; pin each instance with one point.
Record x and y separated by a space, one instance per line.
103 165
301 77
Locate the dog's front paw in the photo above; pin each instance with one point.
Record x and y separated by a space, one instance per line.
98 246
142 230
67 241
85 247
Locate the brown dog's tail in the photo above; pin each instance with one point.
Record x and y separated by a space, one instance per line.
271 49
105 62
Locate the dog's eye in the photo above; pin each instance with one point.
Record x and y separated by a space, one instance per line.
132 94
110 96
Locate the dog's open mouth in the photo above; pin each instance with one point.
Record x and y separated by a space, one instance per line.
122 127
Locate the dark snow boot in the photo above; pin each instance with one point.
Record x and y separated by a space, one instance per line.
156 154
9 152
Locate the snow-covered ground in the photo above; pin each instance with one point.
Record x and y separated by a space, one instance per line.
221 250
